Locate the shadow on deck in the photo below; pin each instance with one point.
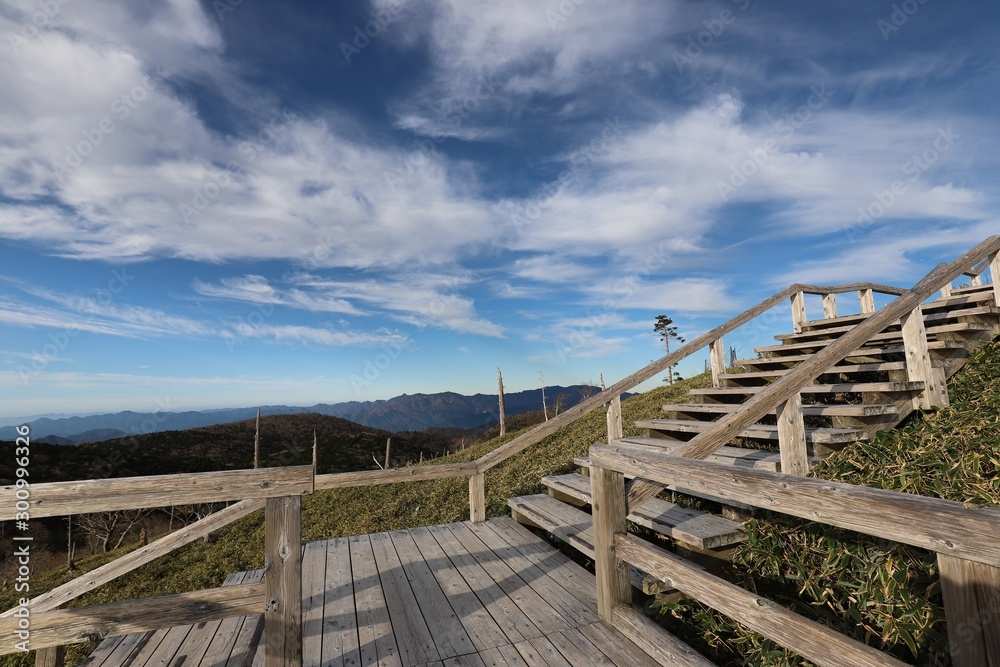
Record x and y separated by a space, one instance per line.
460 594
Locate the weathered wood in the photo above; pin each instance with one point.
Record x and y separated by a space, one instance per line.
792 437
70 626
608 502
918 362
313 588
343 480
866 299
798 311
943 526
107 495
811 640
946 290
784 388
654 640
477 498
988 595
109 571
614 419
717 355
377 643
829 305
256 442
961 606
503 411
283 582
52 656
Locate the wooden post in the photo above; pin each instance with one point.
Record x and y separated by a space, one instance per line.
792 437
977 280
256 443
477 498
283 582
615 429
830 306
995 278
53 656
798 311
503 413
918 362
545 409
946 291
866 298
388 444
613 586
716 353
973 627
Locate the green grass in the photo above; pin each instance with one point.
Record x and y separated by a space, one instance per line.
876 591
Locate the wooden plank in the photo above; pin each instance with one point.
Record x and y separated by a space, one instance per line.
162 647
313 590
378 644
731 456
988 595
413 638
547 653
821 435
614 419
482 628
341 645
477 498
578 650
532 657
103 650
99 576
515 624
616 646
503 656
69 626
829 305
245 649
450 637
717 357
811 640
656 642
918 362
792 437
561 600
283 581
107 495
798 311
343 480
221 648
943 526
818 410
961 606
608 502
52 656
471 660
534 607
866 299
995 277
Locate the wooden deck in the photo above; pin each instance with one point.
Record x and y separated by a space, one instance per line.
460 594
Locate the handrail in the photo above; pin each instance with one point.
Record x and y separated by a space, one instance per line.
790 384
525 440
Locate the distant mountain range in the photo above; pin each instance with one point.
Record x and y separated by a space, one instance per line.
409 412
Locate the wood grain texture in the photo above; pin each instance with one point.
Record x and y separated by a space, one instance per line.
792 437
608 502
798 304
961 608
614 419
69 626
943 526
829 306
866 299
343 480
717 357
477 498
283 582
811 640
995 277
656 642
108 495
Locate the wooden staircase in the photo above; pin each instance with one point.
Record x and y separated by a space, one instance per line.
870 389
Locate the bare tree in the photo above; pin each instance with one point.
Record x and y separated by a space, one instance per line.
108 530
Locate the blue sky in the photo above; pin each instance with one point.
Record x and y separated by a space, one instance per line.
236 203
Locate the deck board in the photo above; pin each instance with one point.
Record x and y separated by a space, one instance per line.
458 595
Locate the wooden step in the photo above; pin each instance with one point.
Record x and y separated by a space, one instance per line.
960 308
819 436
845 368
831 334
977 290
782 351
978 311
727 455
835 388
703 530
858 410
957 302
583 462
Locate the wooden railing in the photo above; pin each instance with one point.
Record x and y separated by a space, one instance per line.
44 628
966 540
